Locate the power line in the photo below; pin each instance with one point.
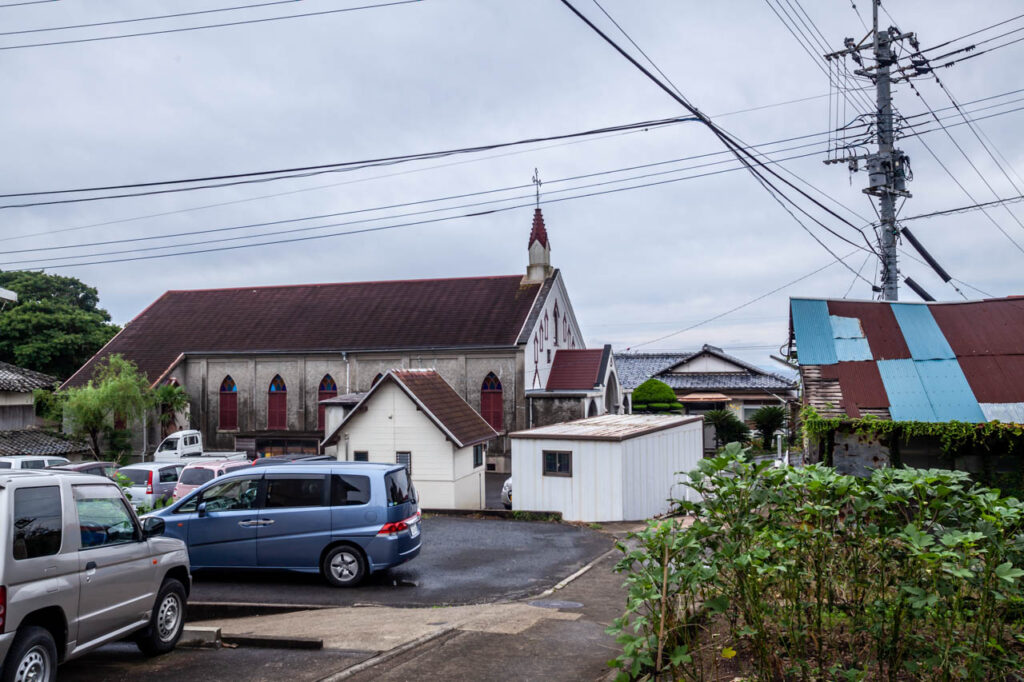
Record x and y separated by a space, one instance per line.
152 18
206 26
28 2
963 209
743 305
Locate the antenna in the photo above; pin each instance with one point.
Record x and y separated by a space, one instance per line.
538 183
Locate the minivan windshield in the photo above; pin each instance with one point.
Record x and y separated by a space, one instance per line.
399 487
170 444
195 476
136 476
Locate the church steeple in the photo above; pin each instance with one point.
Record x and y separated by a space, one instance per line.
539 247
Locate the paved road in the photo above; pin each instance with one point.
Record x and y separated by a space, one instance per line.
463 561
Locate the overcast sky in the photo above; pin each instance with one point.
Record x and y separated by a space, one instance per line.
442 74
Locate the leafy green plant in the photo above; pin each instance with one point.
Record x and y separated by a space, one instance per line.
806 574
654 396
728 427
768 420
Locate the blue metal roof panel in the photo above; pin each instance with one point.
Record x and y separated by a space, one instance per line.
948 391
908 400
850 342
814 340
845 327
924 338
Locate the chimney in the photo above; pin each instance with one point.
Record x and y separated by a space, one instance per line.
539 268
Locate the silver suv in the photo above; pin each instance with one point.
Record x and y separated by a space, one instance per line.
78 570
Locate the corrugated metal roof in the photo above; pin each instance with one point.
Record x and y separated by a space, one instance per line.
923 336
851 344
948 392
880 327
907 398
995 378
862 386
613 427
1008 413
814 340
992 327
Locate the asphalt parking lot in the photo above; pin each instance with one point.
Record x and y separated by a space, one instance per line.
463 561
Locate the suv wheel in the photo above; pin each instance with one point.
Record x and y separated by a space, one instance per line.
167 621
343 566
32 658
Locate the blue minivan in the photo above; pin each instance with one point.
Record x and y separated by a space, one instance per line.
344 520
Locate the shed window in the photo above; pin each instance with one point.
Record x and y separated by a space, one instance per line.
491 404
328 389
478 456
361 456
277 404
557 463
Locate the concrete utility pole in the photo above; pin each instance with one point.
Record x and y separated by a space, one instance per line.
887 177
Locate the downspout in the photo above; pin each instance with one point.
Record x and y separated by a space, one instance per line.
344 356
346 448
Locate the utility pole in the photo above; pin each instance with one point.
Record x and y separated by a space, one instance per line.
887 166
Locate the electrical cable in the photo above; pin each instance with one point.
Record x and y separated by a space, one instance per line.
206 26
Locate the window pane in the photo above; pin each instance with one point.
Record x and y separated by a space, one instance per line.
196 476
169 475
347 490
398 486
238 493
103 518
136 476
404 458
37 522
557 463
362 456
294 492
33 464
5 465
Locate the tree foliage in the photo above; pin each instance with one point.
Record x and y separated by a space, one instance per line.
655 395
55 326
768 420
728 427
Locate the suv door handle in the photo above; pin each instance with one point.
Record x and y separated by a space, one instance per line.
248 524
91 566
266 522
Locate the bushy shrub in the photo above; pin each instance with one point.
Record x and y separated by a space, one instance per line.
728 427
768 420
638 407
803 573
653 391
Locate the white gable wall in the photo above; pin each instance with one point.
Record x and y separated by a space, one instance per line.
392 423
707 363
541 347
590 494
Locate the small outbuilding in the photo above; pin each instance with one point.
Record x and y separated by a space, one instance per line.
607 468
414 417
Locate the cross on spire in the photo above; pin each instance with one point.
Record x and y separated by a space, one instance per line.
538 183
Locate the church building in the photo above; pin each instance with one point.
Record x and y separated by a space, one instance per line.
259 362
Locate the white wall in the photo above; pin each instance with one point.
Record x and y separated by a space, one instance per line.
650 466
707 363
391 423
592 493
541 343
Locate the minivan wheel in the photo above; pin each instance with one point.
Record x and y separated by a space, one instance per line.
32 658
343 566
167 621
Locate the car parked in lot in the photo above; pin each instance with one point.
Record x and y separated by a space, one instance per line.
150 482
31 461
78 570
344 520
506 493
197 473
95 468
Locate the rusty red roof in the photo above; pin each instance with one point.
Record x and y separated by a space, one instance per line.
995 378
990 327
576 370
880 327
405 314
538 233
861 384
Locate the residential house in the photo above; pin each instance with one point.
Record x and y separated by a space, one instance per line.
416 418
909 362
17 390
257 362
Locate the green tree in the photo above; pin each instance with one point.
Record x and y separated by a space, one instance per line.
118 393
55 326
728 427
768 420
655 396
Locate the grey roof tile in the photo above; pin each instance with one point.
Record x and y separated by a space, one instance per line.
39 442
21 380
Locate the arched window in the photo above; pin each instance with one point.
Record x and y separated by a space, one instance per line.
491 406
376 379
328 389
228 405
555 319
277 404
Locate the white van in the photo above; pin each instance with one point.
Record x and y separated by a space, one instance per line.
32 461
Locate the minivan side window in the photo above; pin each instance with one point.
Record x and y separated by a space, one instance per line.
168 475
295 491
103 518
348 490
398 486
37 522
237 493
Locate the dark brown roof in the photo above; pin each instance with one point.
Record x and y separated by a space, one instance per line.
38 442
447 406
991 327
575 370
21 380
405 314
861 383
439 402
880 327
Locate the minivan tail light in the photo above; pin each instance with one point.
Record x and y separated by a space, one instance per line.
149 484
398 526
3 609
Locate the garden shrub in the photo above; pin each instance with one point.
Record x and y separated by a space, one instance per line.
803 573
653 392
659 407
768 420
639 407
728 427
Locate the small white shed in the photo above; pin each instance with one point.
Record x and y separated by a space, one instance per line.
608 468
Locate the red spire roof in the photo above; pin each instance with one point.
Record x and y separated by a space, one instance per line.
538 233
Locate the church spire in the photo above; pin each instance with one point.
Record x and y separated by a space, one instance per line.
539 247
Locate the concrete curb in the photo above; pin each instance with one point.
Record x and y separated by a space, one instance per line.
576 575
388 655
215 610
508 514
265 642
199 636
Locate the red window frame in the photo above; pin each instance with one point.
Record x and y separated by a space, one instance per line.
492 407
277 405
